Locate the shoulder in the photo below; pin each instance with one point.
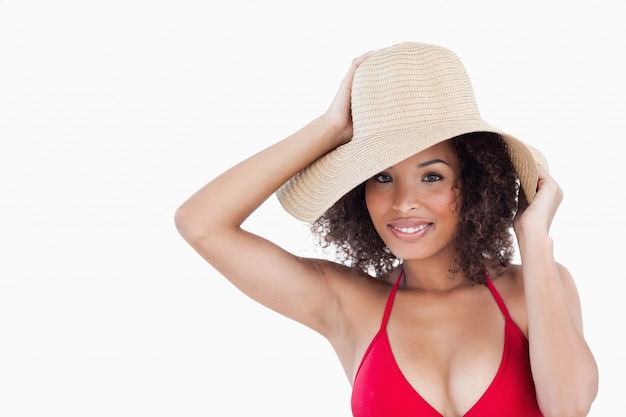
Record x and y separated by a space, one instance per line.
510 286
512 277
510 282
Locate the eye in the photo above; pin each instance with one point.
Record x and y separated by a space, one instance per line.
382 178
432 177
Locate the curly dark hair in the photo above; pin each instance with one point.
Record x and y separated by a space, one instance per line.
489 191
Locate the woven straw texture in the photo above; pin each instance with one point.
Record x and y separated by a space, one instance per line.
404 99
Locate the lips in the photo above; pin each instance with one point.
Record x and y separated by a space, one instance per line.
409 228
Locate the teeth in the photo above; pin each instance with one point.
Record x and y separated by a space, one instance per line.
412 229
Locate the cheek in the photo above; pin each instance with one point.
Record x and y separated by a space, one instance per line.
447 205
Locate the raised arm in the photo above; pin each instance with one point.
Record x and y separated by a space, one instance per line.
210 220
564 369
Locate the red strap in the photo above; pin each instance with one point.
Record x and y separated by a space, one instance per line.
498 299
392 296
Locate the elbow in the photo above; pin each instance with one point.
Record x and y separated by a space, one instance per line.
573 406
197 229
180 220
568 411
185 224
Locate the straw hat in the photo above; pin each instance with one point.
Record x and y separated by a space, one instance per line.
405 99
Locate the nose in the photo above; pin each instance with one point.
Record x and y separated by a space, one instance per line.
405 198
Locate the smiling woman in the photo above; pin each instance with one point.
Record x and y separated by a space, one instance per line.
419 197
413 206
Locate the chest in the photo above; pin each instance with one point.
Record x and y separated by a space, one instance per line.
447 349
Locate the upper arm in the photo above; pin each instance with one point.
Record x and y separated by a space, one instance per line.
299 288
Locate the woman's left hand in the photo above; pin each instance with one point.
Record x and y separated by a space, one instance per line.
537 216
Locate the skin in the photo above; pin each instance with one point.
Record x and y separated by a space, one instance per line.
346 307
417 193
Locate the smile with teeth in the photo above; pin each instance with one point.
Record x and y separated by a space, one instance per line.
409 230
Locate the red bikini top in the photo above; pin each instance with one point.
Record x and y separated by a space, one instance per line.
381 390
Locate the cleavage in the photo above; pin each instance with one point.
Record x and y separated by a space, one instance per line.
449 348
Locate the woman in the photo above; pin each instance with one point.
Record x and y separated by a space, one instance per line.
416 195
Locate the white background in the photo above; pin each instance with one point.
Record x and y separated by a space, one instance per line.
113 112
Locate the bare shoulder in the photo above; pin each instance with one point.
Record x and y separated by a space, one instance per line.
510 282
510 286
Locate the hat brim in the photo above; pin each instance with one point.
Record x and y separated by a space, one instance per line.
320 185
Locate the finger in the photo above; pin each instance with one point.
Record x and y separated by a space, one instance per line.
359 60
542 172
356 62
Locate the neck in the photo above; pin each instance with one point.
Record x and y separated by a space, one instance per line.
432 276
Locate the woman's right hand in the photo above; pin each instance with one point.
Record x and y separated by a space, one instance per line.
339 114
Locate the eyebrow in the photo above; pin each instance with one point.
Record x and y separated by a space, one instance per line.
431 162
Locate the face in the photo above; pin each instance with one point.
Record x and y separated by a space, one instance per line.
413 203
